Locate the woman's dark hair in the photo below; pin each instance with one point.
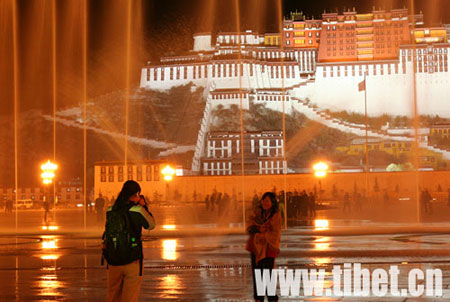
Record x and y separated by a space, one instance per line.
130 188
273 199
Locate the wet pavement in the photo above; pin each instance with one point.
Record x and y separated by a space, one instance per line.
206 261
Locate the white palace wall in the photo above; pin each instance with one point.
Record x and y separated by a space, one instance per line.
224 74
389 84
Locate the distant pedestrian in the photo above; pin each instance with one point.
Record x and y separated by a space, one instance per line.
312 204
9 206
212 200
358 202
219 203
347 205
207 202
386 198
226 202
425 200
123 245
46 206
264 228
448 197
99 207
303 204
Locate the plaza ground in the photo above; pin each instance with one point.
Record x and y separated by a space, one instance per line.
195 255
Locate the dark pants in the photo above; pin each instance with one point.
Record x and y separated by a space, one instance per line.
266 263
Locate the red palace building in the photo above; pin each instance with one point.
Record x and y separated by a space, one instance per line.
351 36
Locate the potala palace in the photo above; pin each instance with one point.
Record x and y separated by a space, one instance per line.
314 65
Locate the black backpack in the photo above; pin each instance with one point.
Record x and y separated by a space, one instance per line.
121 245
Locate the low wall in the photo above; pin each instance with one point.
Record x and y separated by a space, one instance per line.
395 183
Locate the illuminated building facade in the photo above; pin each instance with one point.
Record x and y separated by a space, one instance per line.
427 158
320 63
301 33
109 177
263 153
440 130
362 37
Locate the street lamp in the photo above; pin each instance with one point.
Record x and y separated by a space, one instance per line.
320 169
168 173
47 175
48 172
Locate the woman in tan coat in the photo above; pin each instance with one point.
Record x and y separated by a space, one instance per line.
264 227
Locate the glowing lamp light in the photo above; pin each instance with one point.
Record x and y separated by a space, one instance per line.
50 228
169 251
49 166
320 169
49 257
321 224
169 227
168 173
48 172
49 244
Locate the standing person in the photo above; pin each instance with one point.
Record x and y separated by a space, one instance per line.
123 245
226 202
207 202
46 206
219 204
448 198
425 200
312 204
9 206
386 198
264 228
212 200
347 206
99 206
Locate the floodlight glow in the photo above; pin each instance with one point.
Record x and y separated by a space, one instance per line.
169 227
48 172
320 169
49 166
168 173
321 224
49 257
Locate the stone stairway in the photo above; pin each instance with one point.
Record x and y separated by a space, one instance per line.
316 114
204 128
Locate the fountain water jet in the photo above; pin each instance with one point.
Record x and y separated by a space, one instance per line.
16 104
241 116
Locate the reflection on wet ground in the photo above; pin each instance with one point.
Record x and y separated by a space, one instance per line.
202 266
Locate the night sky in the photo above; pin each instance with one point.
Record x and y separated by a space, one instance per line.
159 28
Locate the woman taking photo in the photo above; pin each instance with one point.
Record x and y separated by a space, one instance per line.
264 228
122 244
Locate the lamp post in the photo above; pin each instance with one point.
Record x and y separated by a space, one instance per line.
47 175
168 172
